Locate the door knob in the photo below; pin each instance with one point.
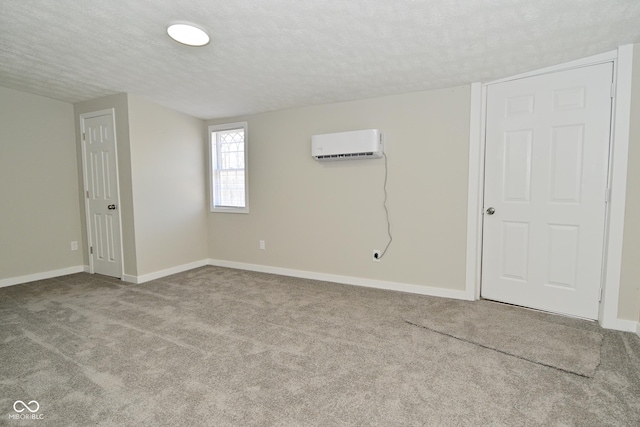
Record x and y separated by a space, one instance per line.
491 211
111 207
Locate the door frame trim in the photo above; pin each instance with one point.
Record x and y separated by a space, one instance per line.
622 59
85 186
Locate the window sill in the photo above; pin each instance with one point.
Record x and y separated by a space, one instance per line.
230 210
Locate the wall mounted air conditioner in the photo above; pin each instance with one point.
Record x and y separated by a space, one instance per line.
359 144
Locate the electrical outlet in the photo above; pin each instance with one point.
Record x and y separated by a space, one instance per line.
262 245
376 255
74 245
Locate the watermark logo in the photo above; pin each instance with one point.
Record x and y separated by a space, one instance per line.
26 411
20 404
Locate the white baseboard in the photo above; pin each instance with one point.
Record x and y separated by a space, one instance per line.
129 278
41 276
627 326
347 280
163 273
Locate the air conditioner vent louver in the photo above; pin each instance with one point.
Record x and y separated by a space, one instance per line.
348 155
361 144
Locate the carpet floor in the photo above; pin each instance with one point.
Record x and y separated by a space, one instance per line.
528 334
222 347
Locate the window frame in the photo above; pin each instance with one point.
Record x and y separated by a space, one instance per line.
221 128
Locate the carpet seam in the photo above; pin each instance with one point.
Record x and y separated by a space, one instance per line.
501 351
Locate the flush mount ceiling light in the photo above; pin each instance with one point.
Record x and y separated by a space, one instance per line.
188 34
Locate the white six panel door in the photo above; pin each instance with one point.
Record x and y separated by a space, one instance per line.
102 185
547 148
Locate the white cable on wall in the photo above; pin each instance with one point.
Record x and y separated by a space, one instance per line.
386 208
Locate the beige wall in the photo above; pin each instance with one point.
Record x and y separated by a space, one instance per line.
168 184
629 305
121 107
39 204
319 217
161 173
329 217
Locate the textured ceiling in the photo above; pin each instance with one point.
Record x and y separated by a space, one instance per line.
276 54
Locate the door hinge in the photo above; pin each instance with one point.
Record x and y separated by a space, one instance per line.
607 195
91 250
87 194
600 298
613 90
84 137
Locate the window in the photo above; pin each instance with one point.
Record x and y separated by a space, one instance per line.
229 185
